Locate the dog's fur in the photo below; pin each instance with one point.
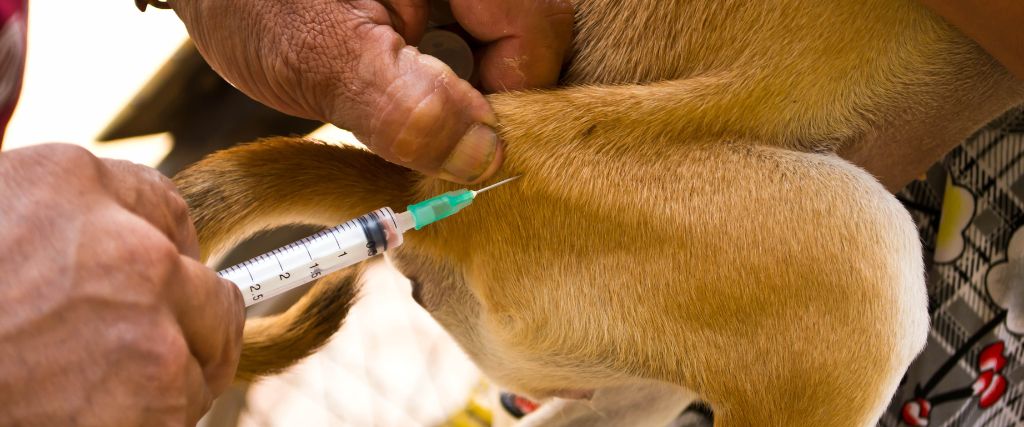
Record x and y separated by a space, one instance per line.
682 215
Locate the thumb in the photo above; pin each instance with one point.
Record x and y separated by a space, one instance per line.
417 113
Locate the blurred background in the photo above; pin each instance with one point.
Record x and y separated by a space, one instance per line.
129 85
86 60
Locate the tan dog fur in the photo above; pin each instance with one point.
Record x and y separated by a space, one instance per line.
682 215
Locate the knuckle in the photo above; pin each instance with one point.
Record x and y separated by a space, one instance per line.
428 110
162 250
170 354
141 248
179 209
151 241
437 67
58 175
164 259
425 90
158 347
63 156
149 174
118 164
158 178
172 200
134 177
156 255
67 152
129 234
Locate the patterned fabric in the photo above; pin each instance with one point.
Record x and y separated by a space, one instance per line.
12 56
970 213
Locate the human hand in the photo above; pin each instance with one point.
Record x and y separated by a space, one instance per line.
107 317
348 63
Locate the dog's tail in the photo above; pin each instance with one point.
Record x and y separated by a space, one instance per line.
238 192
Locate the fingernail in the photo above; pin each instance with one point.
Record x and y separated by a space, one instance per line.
474 155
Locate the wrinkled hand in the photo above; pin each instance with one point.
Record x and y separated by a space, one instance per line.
348 62
107 318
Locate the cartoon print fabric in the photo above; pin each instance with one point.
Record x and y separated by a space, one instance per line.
12 56
970 213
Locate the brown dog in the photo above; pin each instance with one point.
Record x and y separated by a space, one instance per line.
683 226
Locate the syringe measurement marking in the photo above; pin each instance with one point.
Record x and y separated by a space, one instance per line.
326 261
335 236
254 286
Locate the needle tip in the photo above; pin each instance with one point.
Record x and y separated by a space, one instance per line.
495 185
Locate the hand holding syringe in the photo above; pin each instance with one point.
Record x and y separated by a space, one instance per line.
293 265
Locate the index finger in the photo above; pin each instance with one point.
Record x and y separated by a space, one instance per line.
527 40
149 194
211 314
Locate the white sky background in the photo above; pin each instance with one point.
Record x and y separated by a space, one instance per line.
86 59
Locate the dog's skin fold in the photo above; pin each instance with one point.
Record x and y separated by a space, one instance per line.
688 217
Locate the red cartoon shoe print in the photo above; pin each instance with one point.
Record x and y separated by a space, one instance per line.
915 412
989 387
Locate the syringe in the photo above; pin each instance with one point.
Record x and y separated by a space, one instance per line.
301 262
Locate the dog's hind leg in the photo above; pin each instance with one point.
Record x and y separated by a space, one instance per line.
785 287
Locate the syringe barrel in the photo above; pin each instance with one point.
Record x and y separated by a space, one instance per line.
288 267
